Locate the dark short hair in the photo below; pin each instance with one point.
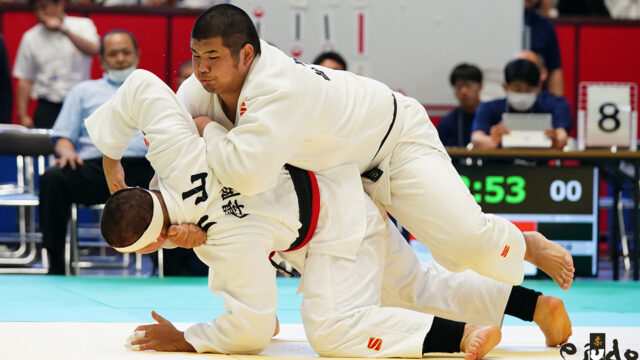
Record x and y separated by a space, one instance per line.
118 31
467 72
126 216
230 23
331 55
523 70
32 3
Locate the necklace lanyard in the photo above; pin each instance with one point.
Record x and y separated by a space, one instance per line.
460 128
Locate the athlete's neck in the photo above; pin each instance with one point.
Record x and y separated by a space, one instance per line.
229 103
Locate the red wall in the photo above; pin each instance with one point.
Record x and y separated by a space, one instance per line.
14 25
566 38
180 40
149 30
598 50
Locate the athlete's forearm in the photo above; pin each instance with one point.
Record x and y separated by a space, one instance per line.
114 173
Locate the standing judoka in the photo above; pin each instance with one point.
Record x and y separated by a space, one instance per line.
280 110
345 265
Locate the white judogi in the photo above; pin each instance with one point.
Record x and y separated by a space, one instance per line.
315 118
343 273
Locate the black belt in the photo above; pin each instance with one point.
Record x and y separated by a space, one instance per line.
306 188
375 173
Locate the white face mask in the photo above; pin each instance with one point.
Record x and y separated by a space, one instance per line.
121 75
521 101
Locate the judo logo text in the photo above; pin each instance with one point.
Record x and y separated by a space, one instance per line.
374 344
201 189
232 207
596 349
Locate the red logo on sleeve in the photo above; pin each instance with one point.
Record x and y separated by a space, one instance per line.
146 142
505 251
243 108
374 344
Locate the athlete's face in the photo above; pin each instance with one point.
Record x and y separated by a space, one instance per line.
217 69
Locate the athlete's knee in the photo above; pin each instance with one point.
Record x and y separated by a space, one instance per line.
258 342
330 335
473 233
253 341
322 345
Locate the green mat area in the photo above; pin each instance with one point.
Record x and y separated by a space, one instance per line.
118 299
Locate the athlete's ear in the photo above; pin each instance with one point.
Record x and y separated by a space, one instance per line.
247 53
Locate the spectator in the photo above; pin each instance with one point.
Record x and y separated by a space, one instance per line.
184 71
539 61
331 60
523 96
540 37
455 128
624 9
536 59
6 95
53 56
79 177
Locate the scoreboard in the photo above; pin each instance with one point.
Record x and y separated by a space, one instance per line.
559 202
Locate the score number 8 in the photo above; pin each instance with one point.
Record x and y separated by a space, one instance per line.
608 117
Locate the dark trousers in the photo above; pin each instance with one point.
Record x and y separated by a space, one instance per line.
46 113
60 187
182 262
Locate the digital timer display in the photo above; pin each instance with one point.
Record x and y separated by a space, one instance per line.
560 202
513 189
510 189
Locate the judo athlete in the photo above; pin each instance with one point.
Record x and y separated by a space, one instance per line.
365 293
271 109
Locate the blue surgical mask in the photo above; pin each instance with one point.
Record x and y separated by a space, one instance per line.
121 75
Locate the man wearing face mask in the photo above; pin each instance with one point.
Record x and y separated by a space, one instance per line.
524 95
79 176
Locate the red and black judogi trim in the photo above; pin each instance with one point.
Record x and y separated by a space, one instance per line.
306 187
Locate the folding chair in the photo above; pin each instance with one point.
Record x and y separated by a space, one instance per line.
26 145
78 237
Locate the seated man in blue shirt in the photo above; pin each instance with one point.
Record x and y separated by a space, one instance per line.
79 176
523 96
455 128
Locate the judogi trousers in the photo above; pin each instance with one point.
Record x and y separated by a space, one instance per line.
386 293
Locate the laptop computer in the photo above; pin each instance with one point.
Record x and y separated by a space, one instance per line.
526 130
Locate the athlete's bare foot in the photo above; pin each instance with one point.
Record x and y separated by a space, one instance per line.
553 320
549 257
477 341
